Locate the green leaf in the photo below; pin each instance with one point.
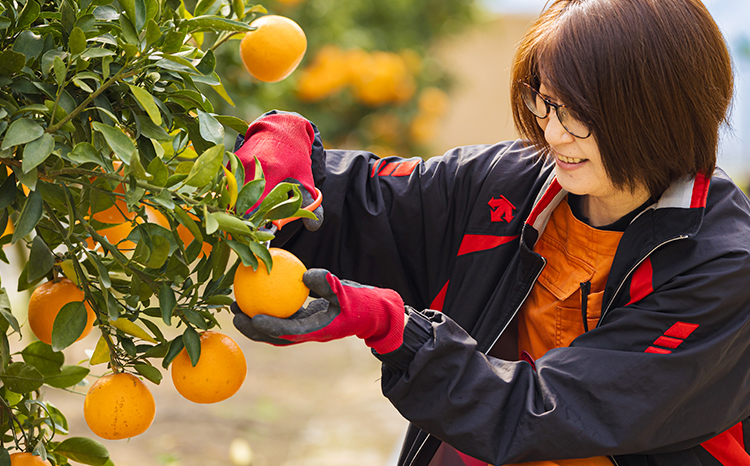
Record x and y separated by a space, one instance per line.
84 152
11 62
118 141
187 221
77 41
128 33
69 325
175 346
21 131
237 124
214 23
6 312
59 68
21 378
97 52
28 15
147 102
231 224
244 253
192 343
167 302
67 16
43 357
48 60
262 253
30 216
173 42
206 167
83 450
152 31
207 63
37 152
68 377
136 11
150 372
239 8
202 7
210 128
104 278
4 454
28 179
41 259
152 131
249 195
29 44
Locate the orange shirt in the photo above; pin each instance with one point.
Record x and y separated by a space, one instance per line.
551 317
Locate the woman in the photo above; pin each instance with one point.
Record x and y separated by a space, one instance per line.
592 276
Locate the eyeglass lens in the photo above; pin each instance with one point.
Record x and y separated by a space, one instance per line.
540 107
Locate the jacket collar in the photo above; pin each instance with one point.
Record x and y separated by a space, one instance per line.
689 193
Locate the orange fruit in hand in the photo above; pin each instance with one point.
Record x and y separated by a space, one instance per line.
219 373
119 406
279 293
47 300
271 52
27 459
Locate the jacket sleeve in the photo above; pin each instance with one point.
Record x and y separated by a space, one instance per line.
393 222
606 394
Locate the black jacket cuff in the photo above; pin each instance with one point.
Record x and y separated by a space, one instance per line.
417 332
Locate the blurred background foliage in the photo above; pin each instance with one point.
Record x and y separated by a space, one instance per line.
369 79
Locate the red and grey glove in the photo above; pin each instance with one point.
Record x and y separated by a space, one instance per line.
282 142
345 308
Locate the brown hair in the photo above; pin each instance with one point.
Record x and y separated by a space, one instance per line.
652 79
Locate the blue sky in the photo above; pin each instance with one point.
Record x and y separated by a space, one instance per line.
731 16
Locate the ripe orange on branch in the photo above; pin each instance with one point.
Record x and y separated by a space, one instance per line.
219 374
279 293
46 302
27 459
119 406
272 51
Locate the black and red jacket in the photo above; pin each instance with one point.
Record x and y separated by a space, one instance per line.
663 379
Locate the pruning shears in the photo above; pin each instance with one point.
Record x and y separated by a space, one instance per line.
276 225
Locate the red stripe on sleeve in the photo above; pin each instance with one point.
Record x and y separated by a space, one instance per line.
728 447
388 169
375 168
474 243
700 191
439 301
654 349
681 330
405 168
545 201
641 285
668 342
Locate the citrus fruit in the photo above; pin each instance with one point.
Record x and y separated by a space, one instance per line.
279 293
218 375
185 236
47 300
119 406
27 459
272 51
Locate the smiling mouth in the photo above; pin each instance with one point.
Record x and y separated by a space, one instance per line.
562 158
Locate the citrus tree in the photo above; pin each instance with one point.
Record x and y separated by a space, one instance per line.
116 177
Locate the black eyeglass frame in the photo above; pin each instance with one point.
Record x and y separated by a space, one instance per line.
547 104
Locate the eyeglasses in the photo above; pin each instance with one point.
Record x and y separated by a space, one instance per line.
539 106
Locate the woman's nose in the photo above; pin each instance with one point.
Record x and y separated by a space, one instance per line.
554 131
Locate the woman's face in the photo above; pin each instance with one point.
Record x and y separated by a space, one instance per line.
578 163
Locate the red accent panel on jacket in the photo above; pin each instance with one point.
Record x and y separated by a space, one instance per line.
681 330
439 301
474 243
545 201
654 349
641 285
700 191
668 342
376 167
395 168
728 447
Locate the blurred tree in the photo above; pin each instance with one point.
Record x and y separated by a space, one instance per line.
368 79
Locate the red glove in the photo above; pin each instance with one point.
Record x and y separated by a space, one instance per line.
345 308
283 144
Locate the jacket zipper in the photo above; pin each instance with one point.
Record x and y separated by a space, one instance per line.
585 291
528 291
612 300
